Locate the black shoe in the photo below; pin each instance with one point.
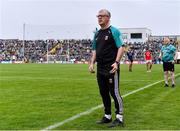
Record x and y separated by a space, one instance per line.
104 120
166 85
116 123
173 85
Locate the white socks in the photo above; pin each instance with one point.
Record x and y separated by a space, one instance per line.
108 116
119 117
166 78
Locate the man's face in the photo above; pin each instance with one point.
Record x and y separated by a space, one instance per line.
166 41
103 18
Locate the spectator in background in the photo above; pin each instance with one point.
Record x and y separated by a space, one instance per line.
178 57
168 55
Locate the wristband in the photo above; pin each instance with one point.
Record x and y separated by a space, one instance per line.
117 62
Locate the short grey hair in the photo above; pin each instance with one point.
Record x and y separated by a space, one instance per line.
107 11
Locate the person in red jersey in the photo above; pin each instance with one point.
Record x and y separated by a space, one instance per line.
148 59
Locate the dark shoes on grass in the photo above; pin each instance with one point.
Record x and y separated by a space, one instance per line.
115 123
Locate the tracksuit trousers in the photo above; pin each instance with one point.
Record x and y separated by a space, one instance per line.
109 85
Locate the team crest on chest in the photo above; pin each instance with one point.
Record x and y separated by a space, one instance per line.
106 37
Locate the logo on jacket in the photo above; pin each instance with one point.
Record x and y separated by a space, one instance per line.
106 37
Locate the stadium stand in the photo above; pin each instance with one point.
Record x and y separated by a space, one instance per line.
35 51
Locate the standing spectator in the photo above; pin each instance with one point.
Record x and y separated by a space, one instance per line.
168 56
178 57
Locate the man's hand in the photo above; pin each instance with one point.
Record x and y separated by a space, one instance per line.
114 67
91 68
174 61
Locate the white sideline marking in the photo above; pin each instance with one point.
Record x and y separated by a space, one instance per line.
97 107
51 78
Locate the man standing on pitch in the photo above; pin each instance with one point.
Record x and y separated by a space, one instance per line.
107 52
169 56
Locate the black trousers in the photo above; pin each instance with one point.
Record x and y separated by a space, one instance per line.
109 85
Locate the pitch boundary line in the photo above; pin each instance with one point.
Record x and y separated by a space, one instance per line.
97 107
51 78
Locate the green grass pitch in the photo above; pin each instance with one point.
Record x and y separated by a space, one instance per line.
35 96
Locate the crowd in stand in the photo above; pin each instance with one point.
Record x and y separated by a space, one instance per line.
36 50
77 50
139 48
64 50
17 50
9 49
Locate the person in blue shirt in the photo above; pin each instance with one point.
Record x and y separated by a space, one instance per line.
130 55
168 56
108 49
